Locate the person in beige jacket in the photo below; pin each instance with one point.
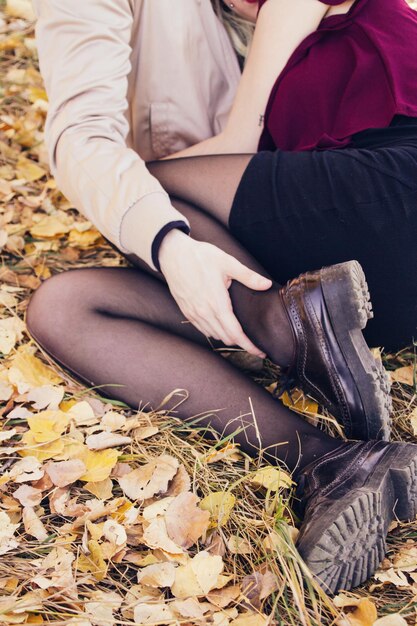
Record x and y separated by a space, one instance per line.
151 132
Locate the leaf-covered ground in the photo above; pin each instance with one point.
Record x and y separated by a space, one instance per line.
112 516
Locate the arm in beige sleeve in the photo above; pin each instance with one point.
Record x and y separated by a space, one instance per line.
84 56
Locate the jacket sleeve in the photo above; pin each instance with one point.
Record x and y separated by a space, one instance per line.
84 57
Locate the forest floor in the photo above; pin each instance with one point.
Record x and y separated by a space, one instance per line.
114 516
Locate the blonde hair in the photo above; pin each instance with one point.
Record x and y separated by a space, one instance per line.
240 30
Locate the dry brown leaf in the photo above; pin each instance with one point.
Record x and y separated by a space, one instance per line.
55 570
223 597
155 535
185 521
104 440
396 578
180 483
7 531
238 545
114 532
157 575
28 496
258 586
198 576
153 614
404 375
27 470
250 619
150 479
33 525
20 8
65 473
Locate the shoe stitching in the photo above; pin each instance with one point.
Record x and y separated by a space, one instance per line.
351 467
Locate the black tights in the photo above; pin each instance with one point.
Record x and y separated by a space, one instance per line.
121 326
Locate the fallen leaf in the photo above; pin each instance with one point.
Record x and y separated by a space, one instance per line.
157 575
27 371
404 375
238 545
220 505
47 426
20 8
272 478
198 576
114 532
46 397
250 619
33 524
104 440
93 562
65 473
27 470
7 530
28 496
396 578
103 490
185 521
50 226
154 614
98 464
150 479
258 586
11 331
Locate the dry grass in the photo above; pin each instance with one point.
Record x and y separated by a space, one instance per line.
256 515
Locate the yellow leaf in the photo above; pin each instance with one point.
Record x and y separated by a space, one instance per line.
37 93
50 226
99 465
28 371
48 425
365 613
93 562
41 452
87 239
272 478
102 490
299 402
20 8
198 576
28 169
220 505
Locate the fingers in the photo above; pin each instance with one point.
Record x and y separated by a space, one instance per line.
248 277
221 323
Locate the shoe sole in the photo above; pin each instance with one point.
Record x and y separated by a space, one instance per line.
348 303
347 550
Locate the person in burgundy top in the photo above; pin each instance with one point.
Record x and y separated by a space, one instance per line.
310 186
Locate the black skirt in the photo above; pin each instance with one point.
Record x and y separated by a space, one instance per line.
298 211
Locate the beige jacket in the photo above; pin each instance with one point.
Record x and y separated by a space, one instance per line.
129 81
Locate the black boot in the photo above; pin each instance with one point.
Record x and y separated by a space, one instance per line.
327 310
350 496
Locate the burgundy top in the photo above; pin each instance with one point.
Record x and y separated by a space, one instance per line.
356 71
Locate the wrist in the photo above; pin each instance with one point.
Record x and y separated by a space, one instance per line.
172 242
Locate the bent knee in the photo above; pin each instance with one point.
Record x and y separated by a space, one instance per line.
52 306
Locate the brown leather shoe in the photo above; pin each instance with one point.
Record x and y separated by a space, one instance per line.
327 310
350 497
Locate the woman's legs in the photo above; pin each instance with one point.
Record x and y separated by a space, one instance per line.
300 211
122 327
